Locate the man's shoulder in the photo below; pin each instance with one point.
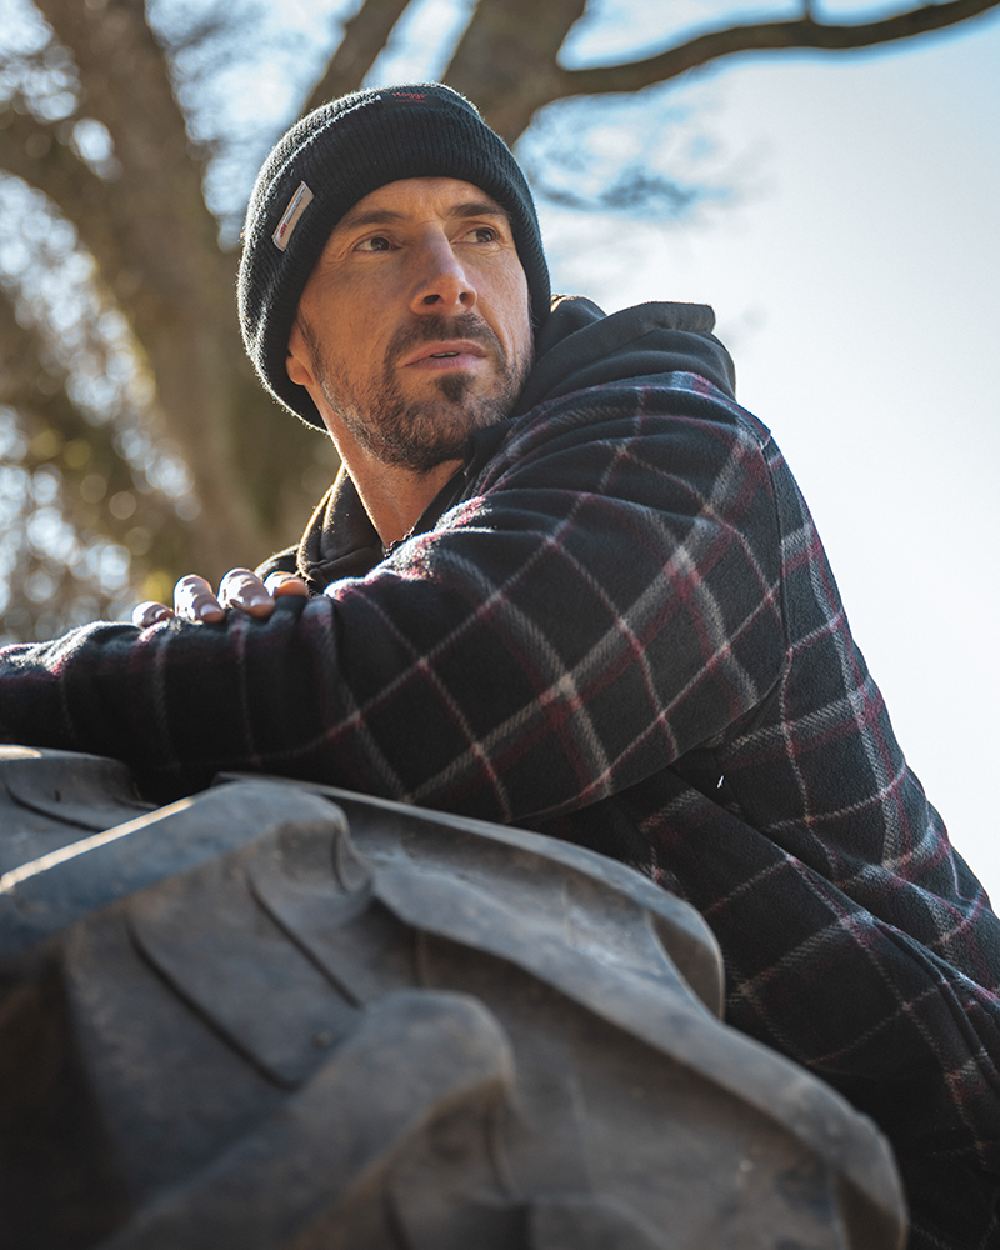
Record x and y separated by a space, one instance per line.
675 428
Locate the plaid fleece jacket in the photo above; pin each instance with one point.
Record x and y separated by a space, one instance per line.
620 628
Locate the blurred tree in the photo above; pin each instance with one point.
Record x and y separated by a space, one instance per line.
135 442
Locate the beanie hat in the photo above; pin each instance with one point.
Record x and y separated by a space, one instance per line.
334 157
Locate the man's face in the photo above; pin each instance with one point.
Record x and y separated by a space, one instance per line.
413 329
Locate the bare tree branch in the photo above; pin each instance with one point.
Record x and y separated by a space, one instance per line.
219 19
206 391
37 152
125 85
803 33
508 75
179 304
365 35
34 386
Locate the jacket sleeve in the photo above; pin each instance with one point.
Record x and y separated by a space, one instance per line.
608 600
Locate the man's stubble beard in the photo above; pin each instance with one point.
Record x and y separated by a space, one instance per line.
420 433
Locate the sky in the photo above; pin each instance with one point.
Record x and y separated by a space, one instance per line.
857 281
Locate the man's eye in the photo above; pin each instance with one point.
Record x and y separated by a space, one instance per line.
485 234
375 243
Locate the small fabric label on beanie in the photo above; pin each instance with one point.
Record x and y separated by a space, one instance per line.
297 205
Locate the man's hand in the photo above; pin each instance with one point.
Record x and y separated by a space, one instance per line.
242 589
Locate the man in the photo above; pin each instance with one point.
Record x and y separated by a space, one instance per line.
564 581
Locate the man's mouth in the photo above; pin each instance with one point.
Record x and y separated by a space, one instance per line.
446 354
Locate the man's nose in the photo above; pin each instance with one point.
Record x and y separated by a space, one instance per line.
443 287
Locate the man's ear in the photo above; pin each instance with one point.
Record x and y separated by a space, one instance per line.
298 362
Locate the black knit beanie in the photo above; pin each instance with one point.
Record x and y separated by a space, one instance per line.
329 161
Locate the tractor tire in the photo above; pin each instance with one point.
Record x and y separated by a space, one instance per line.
277 1016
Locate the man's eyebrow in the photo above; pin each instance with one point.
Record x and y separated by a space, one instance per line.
389 216
478 208
372 217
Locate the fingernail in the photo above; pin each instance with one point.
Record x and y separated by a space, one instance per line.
208 612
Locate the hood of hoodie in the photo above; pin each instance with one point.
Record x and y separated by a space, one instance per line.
579 346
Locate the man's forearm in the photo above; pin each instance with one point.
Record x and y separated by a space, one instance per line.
543 648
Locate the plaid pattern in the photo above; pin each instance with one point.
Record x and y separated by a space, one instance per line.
625 633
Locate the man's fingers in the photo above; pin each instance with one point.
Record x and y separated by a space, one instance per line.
149 612
194 600
285 584
243 589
